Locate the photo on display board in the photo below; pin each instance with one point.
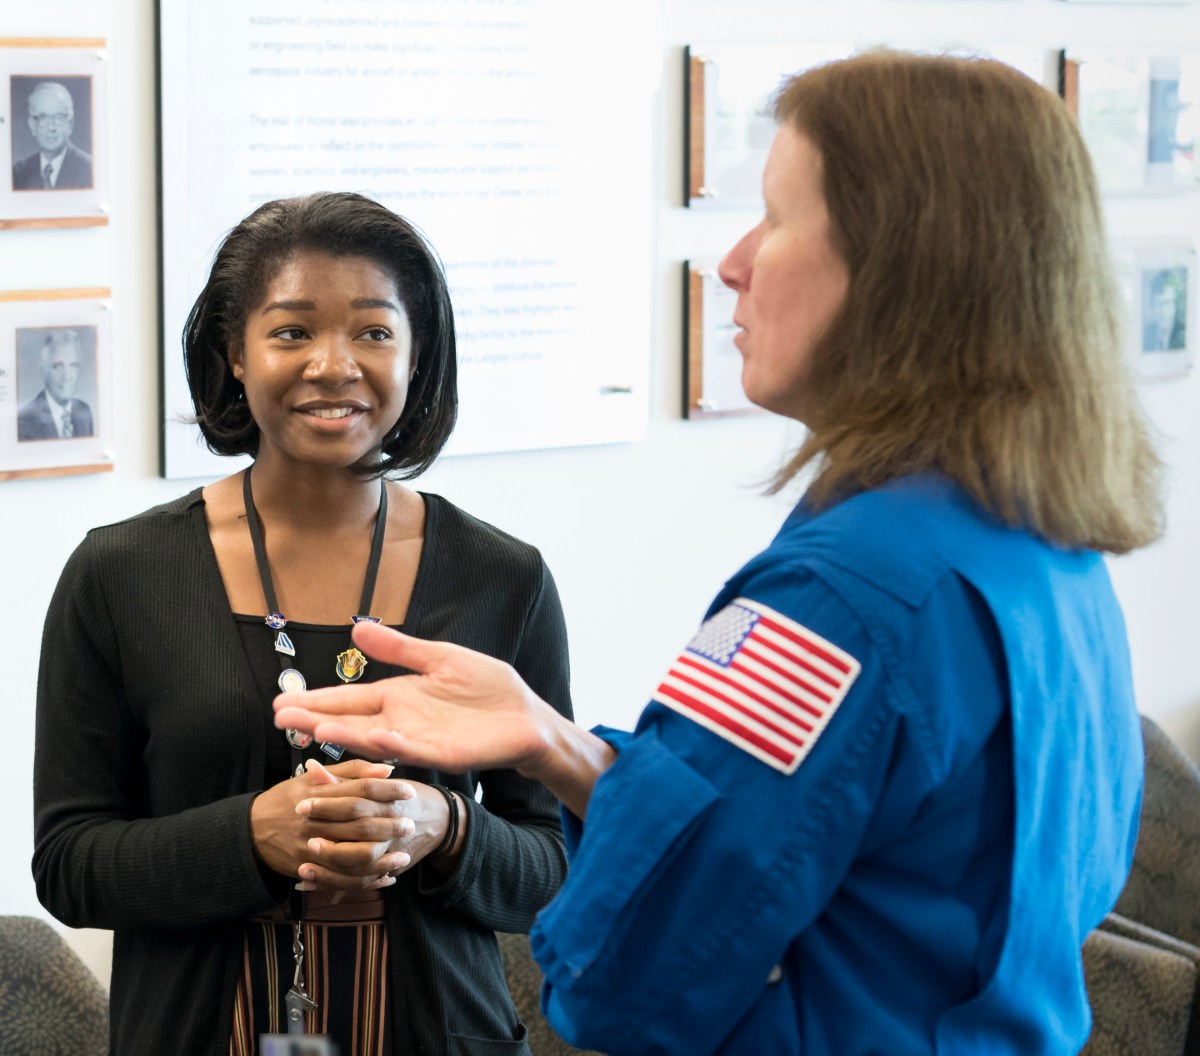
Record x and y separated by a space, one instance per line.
52 129
1158 287
51 133
1140 117
55 383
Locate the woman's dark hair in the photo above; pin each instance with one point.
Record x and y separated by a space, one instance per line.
342 225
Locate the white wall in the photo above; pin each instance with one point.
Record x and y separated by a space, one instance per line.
640 535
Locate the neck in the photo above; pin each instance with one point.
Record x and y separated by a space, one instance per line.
52 155
312 497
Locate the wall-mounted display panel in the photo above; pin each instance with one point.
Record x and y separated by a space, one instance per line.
730 121
55 383
712 364
1140 116
53 136
506 133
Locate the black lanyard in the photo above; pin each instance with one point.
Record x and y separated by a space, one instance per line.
350 663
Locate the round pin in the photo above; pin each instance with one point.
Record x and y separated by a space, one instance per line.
298 739
276 621
291 681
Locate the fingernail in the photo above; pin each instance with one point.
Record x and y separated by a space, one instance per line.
304 885
314 845
304 806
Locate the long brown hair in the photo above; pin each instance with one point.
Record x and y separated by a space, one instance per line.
979 337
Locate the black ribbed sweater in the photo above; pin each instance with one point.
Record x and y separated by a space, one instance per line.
150 748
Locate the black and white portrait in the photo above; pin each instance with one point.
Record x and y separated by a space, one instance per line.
1164 309
56 383
51 133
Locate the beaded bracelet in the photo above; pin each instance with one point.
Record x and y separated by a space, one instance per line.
451 837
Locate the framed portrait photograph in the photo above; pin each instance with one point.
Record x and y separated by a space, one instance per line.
1159 289
52 133
55 383
1140 117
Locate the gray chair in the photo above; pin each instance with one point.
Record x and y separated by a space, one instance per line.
1143 963
524 977
50 1004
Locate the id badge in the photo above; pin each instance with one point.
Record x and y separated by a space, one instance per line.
295 1045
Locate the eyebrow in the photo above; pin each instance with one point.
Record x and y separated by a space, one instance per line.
311 306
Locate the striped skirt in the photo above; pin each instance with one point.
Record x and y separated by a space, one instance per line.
345 973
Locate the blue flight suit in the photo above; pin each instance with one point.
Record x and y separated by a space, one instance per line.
924 879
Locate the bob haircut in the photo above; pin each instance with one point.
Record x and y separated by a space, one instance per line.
342 225
979 337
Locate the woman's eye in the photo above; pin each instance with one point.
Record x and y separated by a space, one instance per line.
289 333
377 333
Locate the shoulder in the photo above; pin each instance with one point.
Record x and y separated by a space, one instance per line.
156 531
905 537
27 164
35 406
476 542
122 561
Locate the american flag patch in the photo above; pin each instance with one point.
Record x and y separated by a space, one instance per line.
761 681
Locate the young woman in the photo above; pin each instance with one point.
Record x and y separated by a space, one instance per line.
323 346
879 800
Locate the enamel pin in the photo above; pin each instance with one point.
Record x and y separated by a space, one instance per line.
350 665
298 739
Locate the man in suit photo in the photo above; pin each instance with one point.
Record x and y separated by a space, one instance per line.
1164 311
55 413
57 164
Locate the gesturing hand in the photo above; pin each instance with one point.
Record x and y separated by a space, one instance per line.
462 710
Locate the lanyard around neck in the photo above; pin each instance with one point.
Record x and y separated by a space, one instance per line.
275 619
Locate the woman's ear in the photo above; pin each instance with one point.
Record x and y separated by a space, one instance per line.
234 357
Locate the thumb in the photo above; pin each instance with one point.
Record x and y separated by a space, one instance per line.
353 769
392 647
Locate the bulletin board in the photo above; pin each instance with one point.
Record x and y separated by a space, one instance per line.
502 129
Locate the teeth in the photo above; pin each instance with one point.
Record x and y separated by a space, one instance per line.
329 412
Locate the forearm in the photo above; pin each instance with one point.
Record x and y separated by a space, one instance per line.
508 870
191 869
569 761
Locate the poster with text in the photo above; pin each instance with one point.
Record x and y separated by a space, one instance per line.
503 129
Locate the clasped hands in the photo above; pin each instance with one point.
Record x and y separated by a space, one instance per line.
346 826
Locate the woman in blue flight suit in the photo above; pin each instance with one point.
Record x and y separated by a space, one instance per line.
878 801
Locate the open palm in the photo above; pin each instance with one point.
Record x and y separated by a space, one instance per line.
461 711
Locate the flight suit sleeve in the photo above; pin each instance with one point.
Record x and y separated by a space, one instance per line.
700 862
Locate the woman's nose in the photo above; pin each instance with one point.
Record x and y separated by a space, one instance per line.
332 361
734 268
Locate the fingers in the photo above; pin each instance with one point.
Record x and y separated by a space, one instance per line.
373 740
359 699
350 865
393 647
353 769
369 873
317 774
373 789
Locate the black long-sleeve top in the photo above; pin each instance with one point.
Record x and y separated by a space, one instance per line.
151 745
